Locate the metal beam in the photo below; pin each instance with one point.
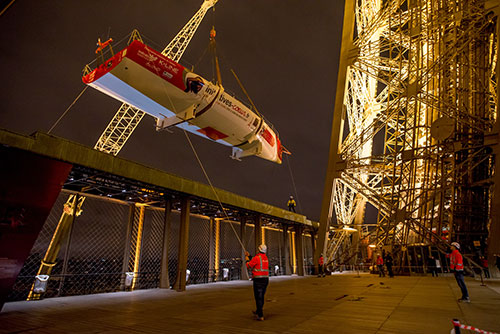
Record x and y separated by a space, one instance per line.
337 129
78 154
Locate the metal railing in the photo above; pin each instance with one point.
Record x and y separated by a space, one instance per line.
96 260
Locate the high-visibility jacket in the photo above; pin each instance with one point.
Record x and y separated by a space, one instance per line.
291 202
321 261
456 261
259 265
380 261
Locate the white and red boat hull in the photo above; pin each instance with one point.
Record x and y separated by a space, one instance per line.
153 83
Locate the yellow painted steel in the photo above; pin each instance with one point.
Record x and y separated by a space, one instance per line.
294 255
217 247
71 208
138 243
421 76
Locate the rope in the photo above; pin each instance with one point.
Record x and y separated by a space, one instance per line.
66 111
206 174
6 7
213 189
293 182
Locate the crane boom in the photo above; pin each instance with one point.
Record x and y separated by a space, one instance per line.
175 49
125 121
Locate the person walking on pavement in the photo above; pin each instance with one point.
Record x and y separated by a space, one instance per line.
321 266
388 264
291 204
457 267
484 264
260 277
431 265
380 265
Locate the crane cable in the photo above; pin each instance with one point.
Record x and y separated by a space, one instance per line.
213 189
205 173
67 110
6 7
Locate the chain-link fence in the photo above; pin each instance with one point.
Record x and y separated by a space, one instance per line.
274 250
95 253
27 274
198 263
114 241
230 251
151 249
308 254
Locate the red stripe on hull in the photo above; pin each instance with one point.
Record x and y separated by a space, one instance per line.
212 133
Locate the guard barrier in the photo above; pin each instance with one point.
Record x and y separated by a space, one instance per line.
94 261
457 328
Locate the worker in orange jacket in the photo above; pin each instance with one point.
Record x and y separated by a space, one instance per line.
321 266
380 265
457 267
260 277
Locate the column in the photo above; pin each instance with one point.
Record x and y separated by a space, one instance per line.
285 251
180 282
164 280
299 249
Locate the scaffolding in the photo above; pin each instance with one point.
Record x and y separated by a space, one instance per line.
414 128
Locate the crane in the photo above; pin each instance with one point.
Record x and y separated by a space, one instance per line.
112 140
126 119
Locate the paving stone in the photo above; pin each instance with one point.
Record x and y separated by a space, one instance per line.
334 304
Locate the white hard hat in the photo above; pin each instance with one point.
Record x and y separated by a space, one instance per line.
456 244
262 248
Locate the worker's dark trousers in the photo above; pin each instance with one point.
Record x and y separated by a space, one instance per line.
389 270
459 276
259 290
381 270
291 208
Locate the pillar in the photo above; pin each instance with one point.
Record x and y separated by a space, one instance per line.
164 280
180 282
285 251
136 243
299 249
293 253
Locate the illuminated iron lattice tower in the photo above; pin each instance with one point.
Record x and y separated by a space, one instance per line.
414 130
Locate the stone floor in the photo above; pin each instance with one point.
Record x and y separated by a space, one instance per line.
334 304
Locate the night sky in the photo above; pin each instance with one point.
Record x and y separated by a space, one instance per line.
285 52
